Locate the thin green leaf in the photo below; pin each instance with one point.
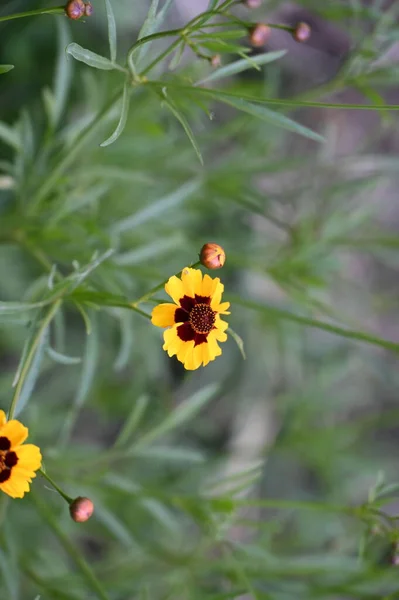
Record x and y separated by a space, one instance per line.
6 68
85 317
242 65
111 30
280 314
184 123
123 117
169 454
133 421
153 21
63 359
265 114
238 340
10 136
183 413
115 526
91 59
126 344
155 209
63 72
212 4
89 367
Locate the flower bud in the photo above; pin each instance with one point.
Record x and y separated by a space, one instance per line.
216 61
88 9
252 3
302 32
259 35
75 9
81 509
212 256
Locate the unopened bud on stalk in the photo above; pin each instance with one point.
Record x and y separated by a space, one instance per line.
212 256
75 9
216 61
81 509
252 3
259 34
302 32
88 9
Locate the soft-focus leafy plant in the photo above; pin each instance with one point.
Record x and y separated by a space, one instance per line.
101 199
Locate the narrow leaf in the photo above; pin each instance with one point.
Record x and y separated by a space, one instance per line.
5 68
242 65
151 24
133 421
89 366
238 340
9 136
63 72
265 114
63 359
111 30
184 123
90 58
183 413
33 373
122 119
155 209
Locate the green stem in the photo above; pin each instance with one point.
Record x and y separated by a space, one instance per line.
145 40
163 55
156 289
56 487
69 547
28 362
59 10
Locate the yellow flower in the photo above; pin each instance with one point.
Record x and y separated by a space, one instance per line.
194 322
18 463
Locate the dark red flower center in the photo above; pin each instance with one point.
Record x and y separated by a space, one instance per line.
8 459
202 318
197 318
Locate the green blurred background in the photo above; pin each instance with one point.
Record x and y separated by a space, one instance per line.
244 479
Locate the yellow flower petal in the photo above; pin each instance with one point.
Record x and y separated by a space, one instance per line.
213 346
209 285
217 295
15 432
172 341
222 325
185 349
193 358
192 281
163 315
222 308
205 354
3 418
174 288
29 458
14 487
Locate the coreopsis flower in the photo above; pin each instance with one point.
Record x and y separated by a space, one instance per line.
194 322
18 461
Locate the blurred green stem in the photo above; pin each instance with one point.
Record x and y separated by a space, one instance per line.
56 487
59 10
30 356
69 547
156 289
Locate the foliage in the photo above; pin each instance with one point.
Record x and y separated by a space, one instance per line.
111 179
